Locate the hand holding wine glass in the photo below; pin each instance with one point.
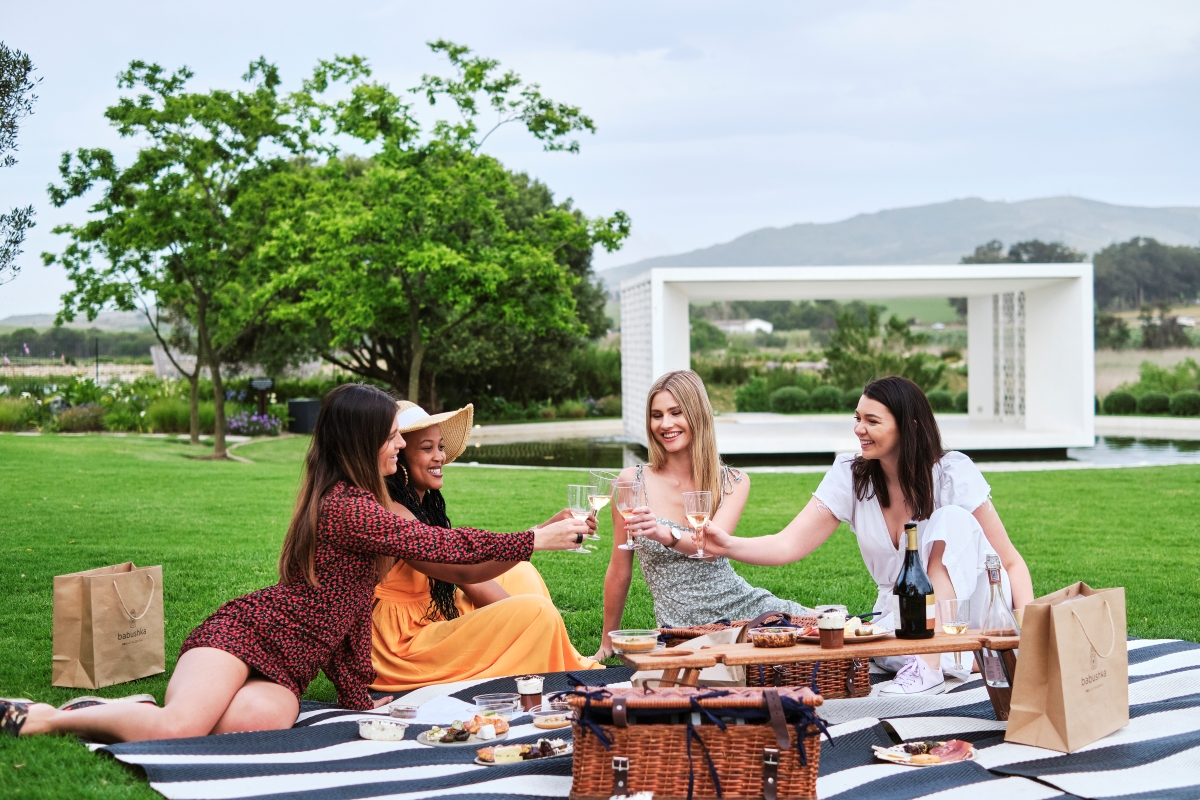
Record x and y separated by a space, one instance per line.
713 539
697 506
563 534
580 507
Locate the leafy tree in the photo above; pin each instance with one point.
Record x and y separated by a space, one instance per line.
858 354
16 103
990 253
1111 332
412 260
176 234
1144 271
706 336
1160 330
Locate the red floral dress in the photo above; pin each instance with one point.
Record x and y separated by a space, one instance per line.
289 632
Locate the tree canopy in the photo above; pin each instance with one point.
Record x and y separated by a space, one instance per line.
1144 271
16 103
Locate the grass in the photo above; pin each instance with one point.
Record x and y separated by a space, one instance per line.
76 502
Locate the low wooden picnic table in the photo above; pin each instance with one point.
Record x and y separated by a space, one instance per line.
684 666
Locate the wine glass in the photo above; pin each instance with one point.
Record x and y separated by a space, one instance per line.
697 506
580 508
603 481
954 617
629 495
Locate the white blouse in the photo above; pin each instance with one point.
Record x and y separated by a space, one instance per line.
957 483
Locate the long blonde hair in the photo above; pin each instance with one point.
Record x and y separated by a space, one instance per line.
688 390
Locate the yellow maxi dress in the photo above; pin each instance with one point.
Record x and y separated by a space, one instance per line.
519 635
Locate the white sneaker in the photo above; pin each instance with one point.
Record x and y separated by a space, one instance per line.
916 677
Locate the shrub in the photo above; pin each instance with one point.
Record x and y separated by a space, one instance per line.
962 402
609 406
572 409
15 414
1120 403
940 400
790 400
1154 403
952 354
850 398
77 419
124 416
208 418
169 415
825 398
249 423
752 396
547 412
1186 404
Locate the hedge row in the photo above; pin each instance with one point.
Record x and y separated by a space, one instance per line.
755 396
1180 404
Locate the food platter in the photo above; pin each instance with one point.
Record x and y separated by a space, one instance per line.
570 751
471 741
847 639
949 752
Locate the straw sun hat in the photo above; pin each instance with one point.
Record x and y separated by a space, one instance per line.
455 425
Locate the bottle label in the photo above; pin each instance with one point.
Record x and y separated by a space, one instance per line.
930 611
994 575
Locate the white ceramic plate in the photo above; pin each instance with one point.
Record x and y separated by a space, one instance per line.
570 752
896 755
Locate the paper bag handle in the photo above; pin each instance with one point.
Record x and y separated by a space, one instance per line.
150 600
1112 627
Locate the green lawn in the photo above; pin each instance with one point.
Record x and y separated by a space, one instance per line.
75 502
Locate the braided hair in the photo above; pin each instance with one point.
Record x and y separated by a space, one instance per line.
430 510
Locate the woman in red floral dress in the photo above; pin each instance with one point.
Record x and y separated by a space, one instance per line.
247 665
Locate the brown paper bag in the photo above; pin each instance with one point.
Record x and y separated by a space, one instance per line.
108 626
1072 681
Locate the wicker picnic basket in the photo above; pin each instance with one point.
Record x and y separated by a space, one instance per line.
694 742
833 679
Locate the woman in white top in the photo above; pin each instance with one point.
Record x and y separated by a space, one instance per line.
903 474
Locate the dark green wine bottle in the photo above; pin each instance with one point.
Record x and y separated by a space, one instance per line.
914 590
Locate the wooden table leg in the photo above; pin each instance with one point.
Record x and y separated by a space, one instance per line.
1001 697
691 677
671 674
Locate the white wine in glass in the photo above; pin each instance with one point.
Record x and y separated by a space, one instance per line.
577 502
603 481
629 495
955 617
697 506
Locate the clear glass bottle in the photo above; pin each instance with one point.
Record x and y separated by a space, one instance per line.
998 620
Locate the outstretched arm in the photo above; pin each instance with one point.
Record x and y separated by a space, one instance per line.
1018 573
811 527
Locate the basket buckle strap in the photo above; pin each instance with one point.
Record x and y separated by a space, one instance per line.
778 721
618 712
855 665
620 768
779 675
770 773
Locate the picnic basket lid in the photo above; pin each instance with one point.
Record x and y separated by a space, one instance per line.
680 697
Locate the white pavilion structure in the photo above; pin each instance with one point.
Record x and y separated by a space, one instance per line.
1029 348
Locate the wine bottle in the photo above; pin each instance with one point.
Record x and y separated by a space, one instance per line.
998 620
914 591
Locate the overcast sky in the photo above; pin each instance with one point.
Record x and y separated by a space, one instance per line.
714 118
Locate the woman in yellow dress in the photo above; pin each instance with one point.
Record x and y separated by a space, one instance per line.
439 625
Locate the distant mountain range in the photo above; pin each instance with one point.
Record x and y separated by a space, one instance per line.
105 321
941 233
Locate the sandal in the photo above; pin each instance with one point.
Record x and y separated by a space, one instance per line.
87 701
12 716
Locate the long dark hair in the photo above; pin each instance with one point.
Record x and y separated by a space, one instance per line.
920 447
354 423
431 509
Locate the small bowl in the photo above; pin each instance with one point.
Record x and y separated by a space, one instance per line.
403 712
549 716
504 704
774 637
381 730
634 641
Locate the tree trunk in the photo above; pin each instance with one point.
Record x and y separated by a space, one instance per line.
194 425
414 373
219 450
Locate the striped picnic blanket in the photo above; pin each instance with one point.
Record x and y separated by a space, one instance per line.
1156 757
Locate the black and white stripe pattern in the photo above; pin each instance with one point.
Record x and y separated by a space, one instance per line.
1156 757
